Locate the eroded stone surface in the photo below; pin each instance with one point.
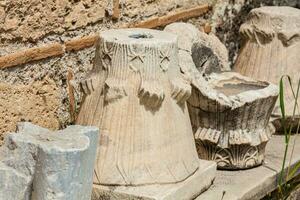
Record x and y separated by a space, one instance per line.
17 167
13 184
30 20
37 103
56 165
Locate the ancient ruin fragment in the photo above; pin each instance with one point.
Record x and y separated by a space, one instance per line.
38 164
230 117
137 96
229 112
271 49
212 55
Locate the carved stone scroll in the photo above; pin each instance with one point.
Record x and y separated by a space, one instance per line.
136 95
271 49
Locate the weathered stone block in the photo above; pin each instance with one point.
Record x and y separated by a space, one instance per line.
57 165
17 167
212 55
65 165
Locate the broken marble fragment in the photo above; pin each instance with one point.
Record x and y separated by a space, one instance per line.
17 168
39 164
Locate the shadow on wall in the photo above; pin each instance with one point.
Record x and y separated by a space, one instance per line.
228 30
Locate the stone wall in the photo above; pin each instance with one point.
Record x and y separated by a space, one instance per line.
35 102
26 24
31 20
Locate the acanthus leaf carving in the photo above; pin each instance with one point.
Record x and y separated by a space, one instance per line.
235 157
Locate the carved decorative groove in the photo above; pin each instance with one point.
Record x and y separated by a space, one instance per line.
234 157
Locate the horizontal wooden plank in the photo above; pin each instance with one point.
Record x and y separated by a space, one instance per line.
32 54
170 18
81 43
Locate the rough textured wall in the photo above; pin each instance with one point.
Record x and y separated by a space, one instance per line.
54 69
35 102
32 19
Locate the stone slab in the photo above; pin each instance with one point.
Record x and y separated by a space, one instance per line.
186 190
253 184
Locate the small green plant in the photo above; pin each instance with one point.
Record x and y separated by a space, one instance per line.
287 183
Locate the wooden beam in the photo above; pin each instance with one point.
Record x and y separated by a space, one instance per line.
32 54
72 103
81 43
167 19
116 9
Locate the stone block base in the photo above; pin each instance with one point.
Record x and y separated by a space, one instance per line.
186 190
